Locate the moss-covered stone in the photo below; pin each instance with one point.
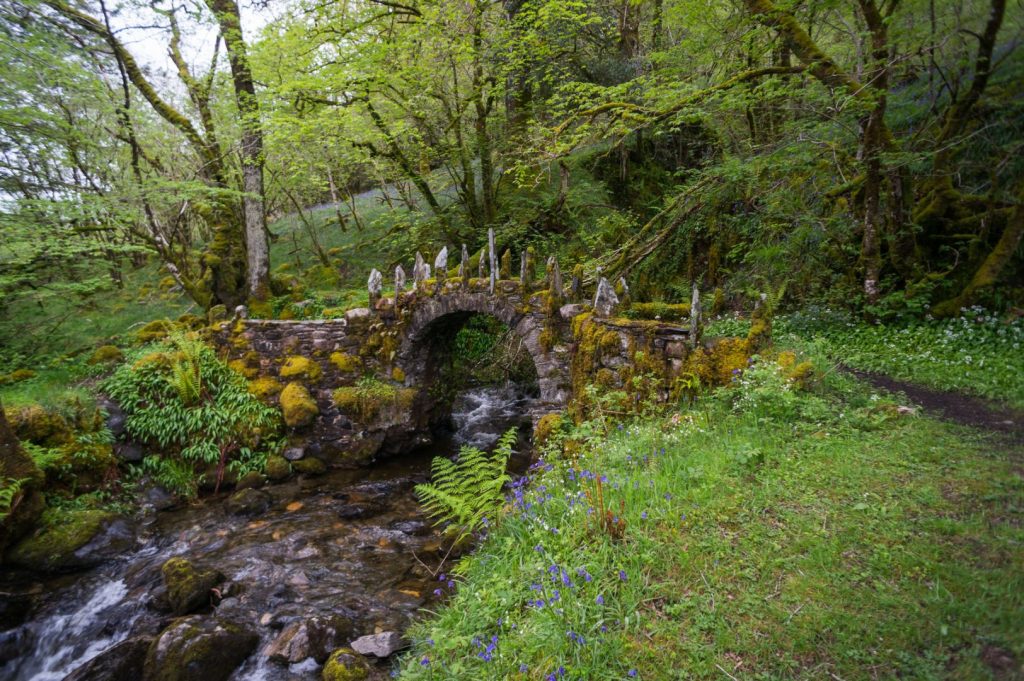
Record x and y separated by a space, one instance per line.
345 664
277 468
106 354
17 376
198 648
345 362
39 425
240 366
310 466
158 329
265 387
298 406
26 504
298 367
59 543
398 375
669 312
547 426
188 589
251 480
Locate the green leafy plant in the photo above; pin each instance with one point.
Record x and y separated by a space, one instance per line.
192 428
10 489
463 494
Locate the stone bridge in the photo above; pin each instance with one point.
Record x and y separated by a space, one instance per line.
360 386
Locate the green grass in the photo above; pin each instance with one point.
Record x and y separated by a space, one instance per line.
978 353
769 534
57 339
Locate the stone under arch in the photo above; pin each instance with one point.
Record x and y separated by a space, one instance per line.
429 315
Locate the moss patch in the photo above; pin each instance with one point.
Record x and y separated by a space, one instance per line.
301 368
345 362
345 665
277 468
265 387
310 466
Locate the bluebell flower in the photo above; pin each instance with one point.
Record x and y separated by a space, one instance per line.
622 575
631 673
425 661
523 668
600 599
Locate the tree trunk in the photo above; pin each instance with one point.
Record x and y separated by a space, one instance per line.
257 246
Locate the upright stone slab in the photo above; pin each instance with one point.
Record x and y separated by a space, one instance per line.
622 291
481 263
492 258
506 264
554 279
605 300
695 317
419 272
441 267
399 282
464 267
576 287
375 285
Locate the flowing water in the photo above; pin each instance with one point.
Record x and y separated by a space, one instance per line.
350 549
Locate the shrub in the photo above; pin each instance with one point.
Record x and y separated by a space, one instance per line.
194 410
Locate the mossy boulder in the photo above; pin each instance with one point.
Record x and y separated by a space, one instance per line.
242 367
106 354
27 503
39 425
66 541
248 502
310 466
345 664
298 406
302 368
158 329
17 376
188 589
547 426
251 480
198 648
277 468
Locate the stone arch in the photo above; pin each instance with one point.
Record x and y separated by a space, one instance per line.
529 325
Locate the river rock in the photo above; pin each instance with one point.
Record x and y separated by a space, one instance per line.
294 453
310 466
315 638
605 300
248 502
251 480
198 648
69 541
361 510
120 662
384 644
129 452
188 589
415 528
14 643
345 665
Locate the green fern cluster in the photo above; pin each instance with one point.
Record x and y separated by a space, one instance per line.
186 374
465 492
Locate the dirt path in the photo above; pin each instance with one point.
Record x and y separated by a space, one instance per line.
957 407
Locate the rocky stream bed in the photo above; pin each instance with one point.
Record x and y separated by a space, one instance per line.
266 584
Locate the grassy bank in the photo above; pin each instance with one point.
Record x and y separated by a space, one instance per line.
978 352
769 533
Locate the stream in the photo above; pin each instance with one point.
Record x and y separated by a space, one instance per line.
348 553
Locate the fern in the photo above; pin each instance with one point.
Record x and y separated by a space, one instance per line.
186 377
465 492
10 489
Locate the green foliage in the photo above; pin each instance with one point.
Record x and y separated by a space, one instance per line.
466 495
10 488
225 426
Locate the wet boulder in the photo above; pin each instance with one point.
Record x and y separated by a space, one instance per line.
384 644
198 648
248 502
120 662
67 541
251 480
188 589
345 665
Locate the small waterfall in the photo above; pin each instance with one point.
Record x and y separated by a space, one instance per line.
481 415
67 639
